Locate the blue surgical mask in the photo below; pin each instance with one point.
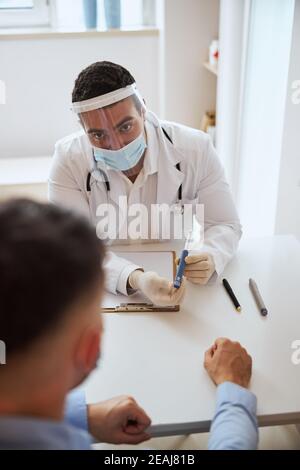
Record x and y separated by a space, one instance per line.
123 159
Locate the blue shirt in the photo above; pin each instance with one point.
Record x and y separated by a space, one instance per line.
32 433
234 425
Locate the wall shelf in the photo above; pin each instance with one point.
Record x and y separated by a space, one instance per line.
212 68
45 33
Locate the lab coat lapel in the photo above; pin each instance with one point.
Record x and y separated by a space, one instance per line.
169 178
100 193
117 187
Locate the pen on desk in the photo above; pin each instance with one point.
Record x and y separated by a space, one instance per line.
231 295
258 298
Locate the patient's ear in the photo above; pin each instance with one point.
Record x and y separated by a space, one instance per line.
87 351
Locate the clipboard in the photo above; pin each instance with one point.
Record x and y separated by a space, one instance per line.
162 262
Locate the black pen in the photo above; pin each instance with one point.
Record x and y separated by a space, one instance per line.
231 295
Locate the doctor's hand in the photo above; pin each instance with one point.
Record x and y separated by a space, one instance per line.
199 268
158 289
118 421
228 361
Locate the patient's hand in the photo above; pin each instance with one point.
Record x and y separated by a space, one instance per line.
227 361
118 421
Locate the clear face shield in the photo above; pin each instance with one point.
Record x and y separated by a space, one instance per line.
114 124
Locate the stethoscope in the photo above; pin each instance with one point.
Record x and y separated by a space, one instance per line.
178 206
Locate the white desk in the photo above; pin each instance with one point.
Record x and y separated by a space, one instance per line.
157 358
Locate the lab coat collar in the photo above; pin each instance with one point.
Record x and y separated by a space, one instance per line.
169 177
151 155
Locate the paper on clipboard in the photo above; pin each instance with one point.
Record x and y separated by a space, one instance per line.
162 262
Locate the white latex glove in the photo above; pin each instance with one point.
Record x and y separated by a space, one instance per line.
158 289
199 268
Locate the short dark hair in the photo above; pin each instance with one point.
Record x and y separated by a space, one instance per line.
49 258
100 78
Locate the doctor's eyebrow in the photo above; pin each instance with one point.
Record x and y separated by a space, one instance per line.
126 119
121 123
91 131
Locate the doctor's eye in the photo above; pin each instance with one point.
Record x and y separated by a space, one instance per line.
126 127
98 136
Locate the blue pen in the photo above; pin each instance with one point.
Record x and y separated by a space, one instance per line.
180 269
190 239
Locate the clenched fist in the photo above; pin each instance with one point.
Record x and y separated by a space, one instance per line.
228 361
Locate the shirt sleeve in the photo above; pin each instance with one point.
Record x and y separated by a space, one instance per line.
76 410
234 426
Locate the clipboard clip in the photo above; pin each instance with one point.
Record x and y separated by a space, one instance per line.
141 307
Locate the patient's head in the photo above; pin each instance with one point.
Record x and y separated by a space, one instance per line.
51 282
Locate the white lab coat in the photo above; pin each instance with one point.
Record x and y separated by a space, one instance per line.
201 176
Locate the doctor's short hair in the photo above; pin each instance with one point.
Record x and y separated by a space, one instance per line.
101 78
49 259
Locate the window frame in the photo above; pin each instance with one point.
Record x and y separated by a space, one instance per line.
39 15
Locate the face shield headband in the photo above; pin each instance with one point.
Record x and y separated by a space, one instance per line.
108 99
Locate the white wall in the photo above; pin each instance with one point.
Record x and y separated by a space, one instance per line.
288 207
189 90
39 75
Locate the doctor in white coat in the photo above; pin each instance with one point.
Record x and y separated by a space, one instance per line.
125 153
